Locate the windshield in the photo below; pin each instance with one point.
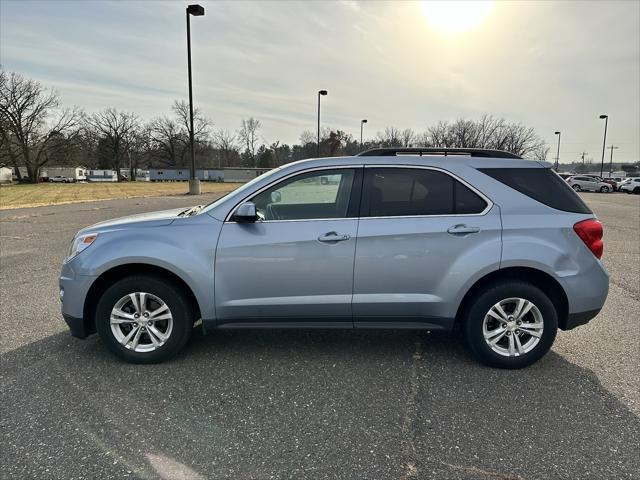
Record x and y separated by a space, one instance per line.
244 187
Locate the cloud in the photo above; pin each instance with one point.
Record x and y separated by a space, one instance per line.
552 66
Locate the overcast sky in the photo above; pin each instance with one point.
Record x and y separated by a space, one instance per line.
550 65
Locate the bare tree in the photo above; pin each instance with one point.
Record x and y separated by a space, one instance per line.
307 137
32 124
201 124
225 141
168 139
391 137
9 153
408 137
118 129
248 134
488 132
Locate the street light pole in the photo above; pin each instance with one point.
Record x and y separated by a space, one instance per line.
604 141
362 122
611 160
558 154
194 183
320 92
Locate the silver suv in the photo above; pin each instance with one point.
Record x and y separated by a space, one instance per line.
424 239
585 182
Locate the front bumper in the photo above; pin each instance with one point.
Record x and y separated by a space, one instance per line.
74 289
77 326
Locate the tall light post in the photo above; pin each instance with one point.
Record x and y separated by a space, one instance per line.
320 93
362 122
558 154
612 148
194 183
604 141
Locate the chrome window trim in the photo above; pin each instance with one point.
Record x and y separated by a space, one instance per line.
486 199
293 174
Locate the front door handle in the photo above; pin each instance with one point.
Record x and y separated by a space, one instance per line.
462 229
333 237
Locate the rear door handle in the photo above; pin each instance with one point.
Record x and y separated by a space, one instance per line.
462 229
333 237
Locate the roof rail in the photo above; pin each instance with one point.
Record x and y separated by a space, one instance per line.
472 152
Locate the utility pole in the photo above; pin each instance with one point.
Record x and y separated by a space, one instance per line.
583 154
558 154
604 140
612 148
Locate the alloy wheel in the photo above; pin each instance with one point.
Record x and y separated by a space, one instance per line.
513 327
141 322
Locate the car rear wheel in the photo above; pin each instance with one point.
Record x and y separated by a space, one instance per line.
604 189
144 319
576 188
510 324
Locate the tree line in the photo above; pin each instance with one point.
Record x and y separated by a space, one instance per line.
36 130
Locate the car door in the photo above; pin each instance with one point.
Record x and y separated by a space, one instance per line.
296 263
590 183
422 235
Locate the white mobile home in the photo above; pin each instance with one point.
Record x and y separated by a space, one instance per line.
242 174
77 174
6 174
102 176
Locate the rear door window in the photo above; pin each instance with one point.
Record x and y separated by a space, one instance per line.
396 192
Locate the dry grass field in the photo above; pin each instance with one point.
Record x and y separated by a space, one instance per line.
18 196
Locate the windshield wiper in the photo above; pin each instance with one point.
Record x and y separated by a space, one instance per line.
190 211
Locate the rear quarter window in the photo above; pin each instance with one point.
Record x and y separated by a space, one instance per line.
543 185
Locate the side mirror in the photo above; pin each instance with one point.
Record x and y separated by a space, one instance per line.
276 196
245 213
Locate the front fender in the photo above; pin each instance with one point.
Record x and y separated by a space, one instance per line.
186 250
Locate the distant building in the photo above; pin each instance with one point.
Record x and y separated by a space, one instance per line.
183 174
242 174
6 174
77 174
102 176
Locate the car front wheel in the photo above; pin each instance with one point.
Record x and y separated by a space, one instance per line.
144 319
604 189
510 324
576 188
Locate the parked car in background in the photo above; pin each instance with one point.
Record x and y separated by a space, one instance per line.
631 185
585 183
402 238
61 179
611 181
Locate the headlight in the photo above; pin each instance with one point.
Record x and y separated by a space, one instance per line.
80 243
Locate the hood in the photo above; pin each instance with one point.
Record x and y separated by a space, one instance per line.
151 219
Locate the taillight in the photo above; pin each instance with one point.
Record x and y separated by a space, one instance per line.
590 232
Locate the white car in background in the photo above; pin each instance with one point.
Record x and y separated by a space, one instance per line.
61 179
631 185
584 183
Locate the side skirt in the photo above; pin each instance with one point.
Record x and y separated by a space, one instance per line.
364 323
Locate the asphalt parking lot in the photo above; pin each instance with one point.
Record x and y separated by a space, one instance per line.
344 405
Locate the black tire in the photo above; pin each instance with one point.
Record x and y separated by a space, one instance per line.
604 189
180 306
577 188
484 300
636 190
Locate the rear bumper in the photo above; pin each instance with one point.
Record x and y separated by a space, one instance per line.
576 319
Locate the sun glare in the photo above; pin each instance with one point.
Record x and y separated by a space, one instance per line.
455 16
